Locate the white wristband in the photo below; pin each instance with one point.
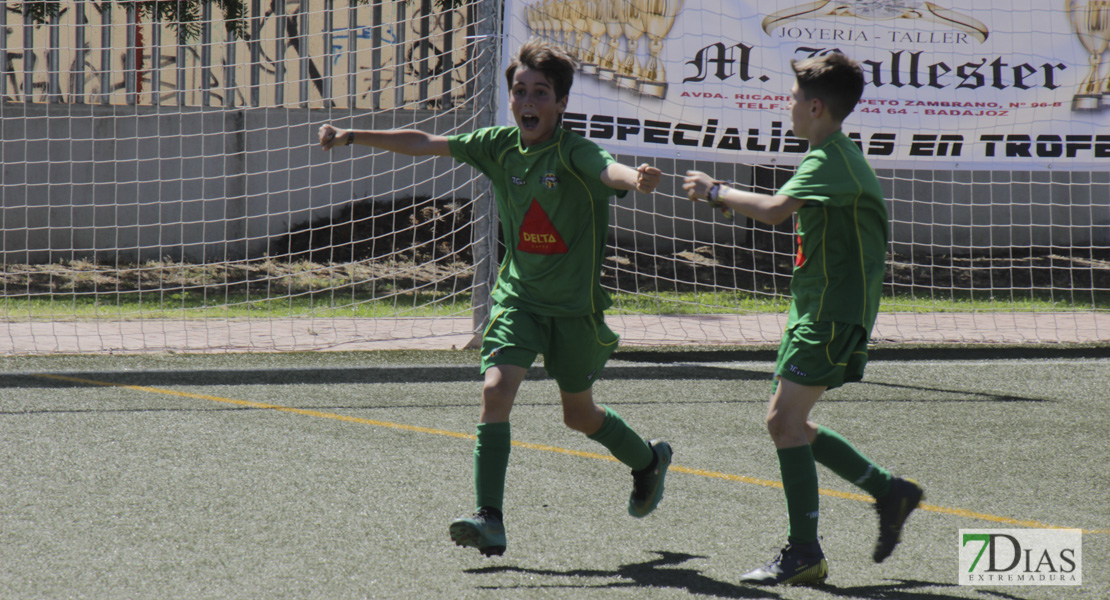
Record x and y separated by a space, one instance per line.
714 194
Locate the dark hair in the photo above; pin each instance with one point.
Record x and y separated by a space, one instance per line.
556 65
833 78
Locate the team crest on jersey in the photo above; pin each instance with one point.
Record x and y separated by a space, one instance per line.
550 181
538 234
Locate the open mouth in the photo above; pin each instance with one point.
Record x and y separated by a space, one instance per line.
529 121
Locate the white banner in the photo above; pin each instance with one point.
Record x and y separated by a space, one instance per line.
1004 85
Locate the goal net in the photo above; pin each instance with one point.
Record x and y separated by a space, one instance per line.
163 188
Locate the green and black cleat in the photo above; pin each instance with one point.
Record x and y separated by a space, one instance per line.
796 564
485 531
894 508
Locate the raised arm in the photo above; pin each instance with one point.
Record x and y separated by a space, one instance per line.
761 207
644 178
402 141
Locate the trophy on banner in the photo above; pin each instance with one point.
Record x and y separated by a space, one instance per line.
594 28
1091 21
532 17
566 25
611 16
629 71
550 24
576 16
658 17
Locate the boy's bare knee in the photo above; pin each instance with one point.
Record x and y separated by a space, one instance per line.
781 426
497 399
584 421
575 420
775 424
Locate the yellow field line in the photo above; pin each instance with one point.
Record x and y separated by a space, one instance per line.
958 512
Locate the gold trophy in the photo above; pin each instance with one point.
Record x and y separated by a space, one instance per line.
658 17
548 21
592 28
629 71
1091 21
565 25
532 17
610 12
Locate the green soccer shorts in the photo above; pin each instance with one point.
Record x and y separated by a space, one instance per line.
575 349
827 354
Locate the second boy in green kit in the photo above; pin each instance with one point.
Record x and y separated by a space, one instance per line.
842 230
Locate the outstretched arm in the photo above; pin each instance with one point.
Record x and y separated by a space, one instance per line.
644 178
403 141
761 207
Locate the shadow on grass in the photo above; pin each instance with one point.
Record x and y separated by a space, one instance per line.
347 375
661 573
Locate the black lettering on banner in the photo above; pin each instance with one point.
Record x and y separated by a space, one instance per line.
1050 146
927 144
627 127
777 139
730 140
722 58
601 127
1019 146
991 140
710 133
1075 143
882 144
1102 146
657 132
753 141
935 74
903 69
681 140
976 79
575 122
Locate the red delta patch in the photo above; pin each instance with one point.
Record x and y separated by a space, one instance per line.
538 235
800 259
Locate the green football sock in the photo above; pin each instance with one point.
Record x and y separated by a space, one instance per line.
799 481
491 461
841 457
622 441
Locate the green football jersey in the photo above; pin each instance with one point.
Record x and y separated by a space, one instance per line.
554 213
842 233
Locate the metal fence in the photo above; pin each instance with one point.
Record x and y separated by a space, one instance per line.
374 55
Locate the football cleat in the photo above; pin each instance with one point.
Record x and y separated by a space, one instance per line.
647 485
485 531
796 564
894 508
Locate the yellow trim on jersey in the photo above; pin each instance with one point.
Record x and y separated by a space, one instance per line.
593 219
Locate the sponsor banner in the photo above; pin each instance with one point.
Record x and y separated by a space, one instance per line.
1015 84
1021 557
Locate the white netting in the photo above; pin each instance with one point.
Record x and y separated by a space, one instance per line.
162 187
982 121
163 167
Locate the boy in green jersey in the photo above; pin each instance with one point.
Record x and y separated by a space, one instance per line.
552 188
837 281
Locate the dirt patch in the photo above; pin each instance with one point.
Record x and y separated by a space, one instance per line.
416 242
419 229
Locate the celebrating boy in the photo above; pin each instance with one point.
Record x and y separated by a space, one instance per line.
836 285
552 188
